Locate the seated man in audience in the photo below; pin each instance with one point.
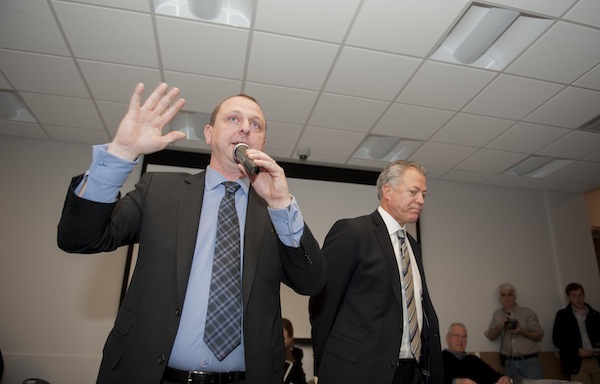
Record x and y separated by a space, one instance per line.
462 368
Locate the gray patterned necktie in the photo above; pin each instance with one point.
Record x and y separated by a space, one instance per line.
409 293
222 332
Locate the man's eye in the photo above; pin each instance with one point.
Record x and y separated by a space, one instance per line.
256 125
233 119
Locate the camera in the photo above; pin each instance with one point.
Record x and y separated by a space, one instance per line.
511 324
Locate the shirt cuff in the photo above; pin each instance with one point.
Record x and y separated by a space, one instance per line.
288 223
106 176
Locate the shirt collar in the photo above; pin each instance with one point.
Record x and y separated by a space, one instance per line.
390 223
214 179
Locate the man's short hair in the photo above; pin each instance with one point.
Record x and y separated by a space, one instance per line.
573 287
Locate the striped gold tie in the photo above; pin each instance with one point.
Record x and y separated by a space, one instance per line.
409 294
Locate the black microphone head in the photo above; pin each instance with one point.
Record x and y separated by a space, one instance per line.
238 151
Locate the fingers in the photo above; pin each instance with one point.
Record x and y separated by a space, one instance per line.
134 104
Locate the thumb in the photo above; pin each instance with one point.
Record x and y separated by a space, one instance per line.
173 136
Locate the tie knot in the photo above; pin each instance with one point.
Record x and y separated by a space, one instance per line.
401 234
231 187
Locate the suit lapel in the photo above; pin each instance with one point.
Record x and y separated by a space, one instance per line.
187 232
383 237
257 218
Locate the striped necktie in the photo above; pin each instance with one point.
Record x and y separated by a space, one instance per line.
222 332
409 294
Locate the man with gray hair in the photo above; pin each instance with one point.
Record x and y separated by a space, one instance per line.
520 332
374 321
463 368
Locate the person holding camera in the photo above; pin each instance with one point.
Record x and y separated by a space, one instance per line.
520 333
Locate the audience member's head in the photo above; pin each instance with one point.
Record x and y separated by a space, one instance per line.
507 294
456 338
576 295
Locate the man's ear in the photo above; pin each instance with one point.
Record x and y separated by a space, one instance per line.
207 133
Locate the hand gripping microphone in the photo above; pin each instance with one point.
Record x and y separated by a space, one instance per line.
239 154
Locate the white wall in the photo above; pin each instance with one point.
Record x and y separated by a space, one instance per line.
57 308
475 237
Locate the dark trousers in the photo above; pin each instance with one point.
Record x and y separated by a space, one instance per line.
408 372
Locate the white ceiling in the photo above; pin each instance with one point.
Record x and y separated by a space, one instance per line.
326 73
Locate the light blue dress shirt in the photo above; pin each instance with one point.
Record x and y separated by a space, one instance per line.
106 176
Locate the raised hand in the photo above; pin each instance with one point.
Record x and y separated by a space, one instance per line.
141 130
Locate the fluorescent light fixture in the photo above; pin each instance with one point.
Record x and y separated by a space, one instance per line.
190 123
537 166
237 13
386 148
490 37
12 108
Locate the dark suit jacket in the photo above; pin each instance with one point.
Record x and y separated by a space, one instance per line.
162 214
357 318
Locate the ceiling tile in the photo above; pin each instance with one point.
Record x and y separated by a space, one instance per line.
554 185
512 97
563 54
386 25
466 177
527 138
112 114
21 129
509 181
442 155
202 48
319 141
574 145
571 108
3 82
445 86
471 130
63 110
98 34
411 122
595 157
314 19
544 7
347 113
490 160
202 93
350 75
76 135
289 61
42 73
133 5
276 102
590 79
29 25
579 172
282 137
585 12
116 82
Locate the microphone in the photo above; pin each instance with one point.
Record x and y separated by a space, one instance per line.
239 154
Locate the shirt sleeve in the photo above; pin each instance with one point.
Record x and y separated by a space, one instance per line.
288 223
106 176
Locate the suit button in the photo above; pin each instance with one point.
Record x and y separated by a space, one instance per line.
177 312
392 364
161 359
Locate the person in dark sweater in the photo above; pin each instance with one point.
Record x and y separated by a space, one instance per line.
462 368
